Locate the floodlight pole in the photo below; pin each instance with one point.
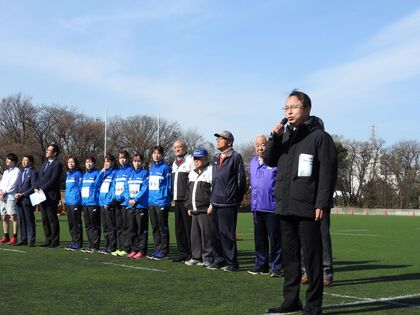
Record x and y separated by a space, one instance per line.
105 126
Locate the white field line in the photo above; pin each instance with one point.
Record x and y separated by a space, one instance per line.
388 300
417 228
134 267
356 234
13 250
353 230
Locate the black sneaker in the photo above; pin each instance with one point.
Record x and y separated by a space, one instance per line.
214 266
257 271
230 269
282 309
276 273
312 310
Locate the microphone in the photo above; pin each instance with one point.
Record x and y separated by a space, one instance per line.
283 121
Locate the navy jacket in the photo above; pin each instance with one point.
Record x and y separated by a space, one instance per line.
27 186
49 179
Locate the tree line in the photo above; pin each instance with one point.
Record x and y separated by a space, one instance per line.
369 173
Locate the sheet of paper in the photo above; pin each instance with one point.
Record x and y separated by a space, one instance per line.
37 197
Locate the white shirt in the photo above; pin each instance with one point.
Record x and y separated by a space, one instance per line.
7 183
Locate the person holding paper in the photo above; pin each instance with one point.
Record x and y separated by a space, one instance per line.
49 182
306 158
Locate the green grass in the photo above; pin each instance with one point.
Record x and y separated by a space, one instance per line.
375 257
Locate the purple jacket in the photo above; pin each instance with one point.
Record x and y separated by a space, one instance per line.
262 178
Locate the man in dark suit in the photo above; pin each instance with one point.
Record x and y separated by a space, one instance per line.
25 185
49 182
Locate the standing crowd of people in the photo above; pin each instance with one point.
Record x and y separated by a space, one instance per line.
292 179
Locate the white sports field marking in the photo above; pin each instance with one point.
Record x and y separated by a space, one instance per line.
13 250
353 230
417 228
134 267
388 300
356 234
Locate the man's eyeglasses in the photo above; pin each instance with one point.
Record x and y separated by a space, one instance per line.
292 107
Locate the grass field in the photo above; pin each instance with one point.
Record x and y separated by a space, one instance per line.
377 271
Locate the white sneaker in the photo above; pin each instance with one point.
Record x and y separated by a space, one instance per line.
191 262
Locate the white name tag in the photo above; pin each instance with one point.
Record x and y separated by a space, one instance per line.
85 192
305 165
119 188
104 187
134 189
154 182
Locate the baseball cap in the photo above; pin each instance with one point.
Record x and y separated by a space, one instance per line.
225 134
200 152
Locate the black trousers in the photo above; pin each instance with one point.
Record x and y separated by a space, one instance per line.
138 221
92 218
301 233
182 230
123 231
50 222
160 228
74 219
224 239
109 227
26 221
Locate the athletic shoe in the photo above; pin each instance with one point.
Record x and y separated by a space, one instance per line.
304 279
312 310
22 243
88 250
191 262
276 273
214 266
257 271
13 241
74 248
159 256
115 253
230 269
282 309
133 253
122 253
138 255
203 264
4 240
180 260
152 255
104 251
328 282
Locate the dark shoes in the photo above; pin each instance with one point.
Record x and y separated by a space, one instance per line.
230 269
277 273
180 259
312 310
22 243
285 309
257 271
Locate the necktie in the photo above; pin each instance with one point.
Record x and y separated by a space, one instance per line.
24 174
46 166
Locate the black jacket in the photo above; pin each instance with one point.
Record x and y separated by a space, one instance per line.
49 179
229 181
301 195
199 190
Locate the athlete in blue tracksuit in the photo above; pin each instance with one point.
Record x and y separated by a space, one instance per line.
73 203
136 192
91 212
106 195
160 197
121 176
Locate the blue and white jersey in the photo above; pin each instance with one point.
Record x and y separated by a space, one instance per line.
120 178
160 184
90 185
137 188
106 189
73 194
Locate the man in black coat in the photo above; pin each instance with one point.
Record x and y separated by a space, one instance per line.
25 185
49 183
307 169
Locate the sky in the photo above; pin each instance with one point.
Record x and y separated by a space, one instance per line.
214 65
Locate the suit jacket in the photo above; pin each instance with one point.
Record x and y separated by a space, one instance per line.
27 186
49 179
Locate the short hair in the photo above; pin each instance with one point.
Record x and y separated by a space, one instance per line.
125 154
30 158
138 155
76 162
12 157
109 157
158 148
56 148
92 158
303 97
